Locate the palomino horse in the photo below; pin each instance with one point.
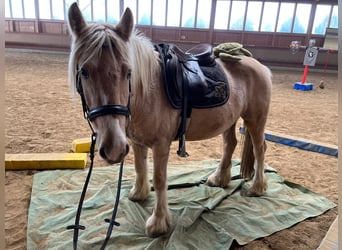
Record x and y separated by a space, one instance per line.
122 83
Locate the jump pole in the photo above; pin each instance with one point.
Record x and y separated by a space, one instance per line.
300 143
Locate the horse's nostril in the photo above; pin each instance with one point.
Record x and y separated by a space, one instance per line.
112 158
102 153
127 149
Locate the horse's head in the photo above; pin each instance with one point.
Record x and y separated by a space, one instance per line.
99 68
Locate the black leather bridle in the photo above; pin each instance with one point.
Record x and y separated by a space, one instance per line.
90 115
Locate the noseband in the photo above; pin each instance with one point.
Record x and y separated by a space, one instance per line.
90 115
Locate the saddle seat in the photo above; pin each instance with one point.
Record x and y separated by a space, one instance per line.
192 79
203 53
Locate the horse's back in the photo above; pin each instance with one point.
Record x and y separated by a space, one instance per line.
251 83
248 69
249 75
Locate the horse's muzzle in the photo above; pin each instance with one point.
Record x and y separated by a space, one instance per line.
107 157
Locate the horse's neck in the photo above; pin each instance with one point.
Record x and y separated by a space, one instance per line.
146 69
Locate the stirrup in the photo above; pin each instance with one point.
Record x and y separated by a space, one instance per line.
181 147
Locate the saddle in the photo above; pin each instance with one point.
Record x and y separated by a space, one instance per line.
192 79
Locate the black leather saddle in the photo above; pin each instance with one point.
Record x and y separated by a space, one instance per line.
192 79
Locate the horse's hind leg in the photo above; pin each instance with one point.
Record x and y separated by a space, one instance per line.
259 184
141 187
221 177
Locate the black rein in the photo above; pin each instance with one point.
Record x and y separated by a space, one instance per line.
90 115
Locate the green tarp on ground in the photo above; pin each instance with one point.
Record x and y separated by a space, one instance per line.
202 217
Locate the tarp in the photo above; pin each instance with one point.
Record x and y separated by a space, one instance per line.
202 217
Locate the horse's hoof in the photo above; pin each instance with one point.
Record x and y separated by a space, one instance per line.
257 191
252 193
157 226
138 195
215 181
250 189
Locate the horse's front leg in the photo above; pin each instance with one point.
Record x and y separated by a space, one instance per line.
158 223
141 187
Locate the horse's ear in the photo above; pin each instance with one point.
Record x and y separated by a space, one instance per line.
125 27
76 20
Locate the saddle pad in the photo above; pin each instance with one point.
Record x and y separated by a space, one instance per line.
217 92
202 217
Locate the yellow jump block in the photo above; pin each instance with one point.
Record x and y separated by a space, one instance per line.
45 161
81 145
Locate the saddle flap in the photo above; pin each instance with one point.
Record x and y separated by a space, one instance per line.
174 79
193 78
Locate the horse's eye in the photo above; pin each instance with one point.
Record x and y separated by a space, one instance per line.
84 73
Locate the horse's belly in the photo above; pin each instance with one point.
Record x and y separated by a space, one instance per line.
208 123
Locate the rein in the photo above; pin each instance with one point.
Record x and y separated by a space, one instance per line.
90 115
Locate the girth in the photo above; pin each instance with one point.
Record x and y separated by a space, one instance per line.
192 79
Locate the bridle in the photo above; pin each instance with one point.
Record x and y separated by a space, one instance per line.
111 109
90 115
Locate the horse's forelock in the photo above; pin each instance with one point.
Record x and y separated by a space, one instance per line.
138 54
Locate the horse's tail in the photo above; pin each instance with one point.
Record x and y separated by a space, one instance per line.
247 158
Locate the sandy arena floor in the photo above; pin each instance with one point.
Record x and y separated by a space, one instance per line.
41 116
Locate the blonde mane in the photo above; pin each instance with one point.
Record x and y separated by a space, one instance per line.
138 53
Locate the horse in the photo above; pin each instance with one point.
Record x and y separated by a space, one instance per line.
122 85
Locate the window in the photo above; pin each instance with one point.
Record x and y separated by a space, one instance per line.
334 18
189 12
57 10
158 15
247 15
222 14
29 9
269 16
144 13
321 19
99 11
17 9
253 16
302 18
113 11
203 14
85 7
44 9
173 13
237 15
8 9
285 18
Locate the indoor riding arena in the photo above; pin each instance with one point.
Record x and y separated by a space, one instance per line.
47 147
